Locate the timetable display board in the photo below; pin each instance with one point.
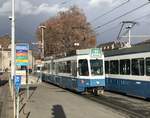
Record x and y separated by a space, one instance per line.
22 50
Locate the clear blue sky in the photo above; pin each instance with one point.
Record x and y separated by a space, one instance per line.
30 13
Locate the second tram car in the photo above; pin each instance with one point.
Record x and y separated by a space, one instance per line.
82 72
128 70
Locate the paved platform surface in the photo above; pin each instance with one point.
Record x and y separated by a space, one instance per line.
6 106
6 101
49 101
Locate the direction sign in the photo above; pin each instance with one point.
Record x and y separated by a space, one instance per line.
17 82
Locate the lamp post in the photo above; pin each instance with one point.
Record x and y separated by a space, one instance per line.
13 40
13 55
42 27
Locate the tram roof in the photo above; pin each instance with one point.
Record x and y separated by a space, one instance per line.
93 52
132 50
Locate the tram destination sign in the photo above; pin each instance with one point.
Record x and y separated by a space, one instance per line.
93 52
22 54
96 52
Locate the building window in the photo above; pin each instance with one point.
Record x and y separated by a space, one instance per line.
148 66
107 67
138 66
125 67
114 67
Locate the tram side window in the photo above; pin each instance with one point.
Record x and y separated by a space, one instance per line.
53 68
83 67
60 67
148 66
64 67
114 67
74 68
68 66
45 68
56 68
125 67
138 66
107 67
49 67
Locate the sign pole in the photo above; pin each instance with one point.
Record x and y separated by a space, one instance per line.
27 83
17 83
28 77
17 104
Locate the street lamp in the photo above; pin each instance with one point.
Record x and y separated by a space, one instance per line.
13 64
76 44
42 27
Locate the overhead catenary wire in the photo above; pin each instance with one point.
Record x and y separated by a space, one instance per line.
136 19
129 12
110 11
112 28
141 17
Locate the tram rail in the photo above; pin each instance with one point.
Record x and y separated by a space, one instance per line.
120 107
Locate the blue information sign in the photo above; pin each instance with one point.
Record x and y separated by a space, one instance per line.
17 82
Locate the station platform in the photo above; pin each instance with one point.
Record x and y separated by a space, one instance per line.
49 101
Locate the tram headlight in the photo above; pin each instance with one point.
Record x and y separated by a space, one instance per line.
82 81
97 82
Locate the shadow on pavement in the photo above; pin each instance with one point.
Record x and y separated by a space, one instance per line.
3 82
27 114
30 88
58 112
61 91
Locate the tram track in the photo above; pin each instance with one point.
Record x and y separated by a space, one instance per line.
127 109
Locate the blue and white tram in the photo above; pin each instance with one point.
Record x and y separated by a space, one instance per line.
82 72
128 71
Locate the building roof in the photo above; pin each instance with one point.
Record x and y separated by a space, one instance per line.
144 42
105 44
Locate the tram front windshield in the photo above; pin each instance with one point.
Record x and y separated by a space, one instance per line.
96 67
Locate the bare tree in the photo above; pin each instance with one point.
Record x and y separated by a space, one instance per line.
65 30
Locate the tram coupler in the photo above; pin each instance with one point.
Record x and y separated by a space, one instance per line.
98 91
